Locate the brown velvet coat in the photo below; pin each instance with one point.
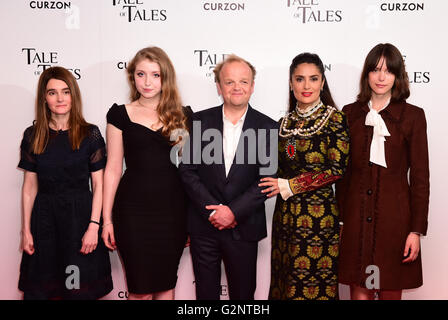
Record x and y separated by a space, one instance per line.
381 206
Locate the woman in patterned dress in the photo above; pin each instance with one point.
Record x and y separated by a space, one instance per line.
313 154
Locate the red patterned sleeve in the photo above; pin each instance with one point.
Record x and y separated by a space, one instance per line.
336 159
311 180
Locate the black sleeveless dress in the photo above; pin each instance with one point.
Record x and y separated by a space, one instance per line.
149 212
60 217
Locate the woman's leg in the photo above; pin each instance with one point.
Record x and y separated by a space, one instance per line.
135 296
359 293
164 295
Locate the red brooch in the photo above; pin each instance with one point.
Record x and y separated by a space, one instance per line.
291 148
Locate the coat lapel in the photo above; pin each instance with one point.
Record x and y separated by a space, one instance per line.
393 111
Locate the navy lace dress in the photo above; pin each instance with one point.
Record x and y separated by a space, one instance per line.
59 219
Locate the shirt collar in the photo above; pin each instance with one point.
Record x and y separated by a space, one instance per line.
369 104
394 109
239 122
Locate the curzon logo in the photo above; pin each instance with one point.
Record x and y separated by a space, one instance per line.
55 5
122 65
208 60
308 11
72 20
42 60
132 9
403 6
223 6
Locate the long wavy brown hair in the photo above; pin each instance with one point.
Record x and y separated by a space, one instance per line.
170 106
78 127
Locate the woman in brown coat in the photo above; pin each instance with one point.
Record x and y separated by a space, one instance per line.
383 198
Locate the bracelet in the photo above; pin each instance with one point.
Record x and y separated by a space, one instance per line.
92 221
107 224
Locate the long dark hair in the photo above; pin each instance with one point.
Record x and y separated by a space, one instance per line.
395 65
306 57
78 126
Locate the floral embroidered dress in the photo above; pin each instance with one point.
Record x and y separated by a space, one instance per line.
313 154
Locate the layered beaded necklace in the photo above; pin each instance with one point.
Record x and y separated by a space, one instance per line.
321 119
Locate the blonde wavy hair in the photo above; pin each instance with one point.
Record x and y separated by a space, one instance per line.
170 106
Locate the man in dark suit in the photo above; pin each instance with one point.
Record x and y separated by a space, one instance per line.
226 215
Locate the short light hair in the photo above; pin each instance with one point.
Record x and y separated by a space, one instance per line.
232 58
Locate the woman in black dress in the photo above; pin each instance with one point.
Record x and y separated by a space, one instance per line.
145 209
62 258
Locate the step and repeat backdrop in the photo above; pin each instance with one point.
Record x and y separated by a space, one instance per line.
96 39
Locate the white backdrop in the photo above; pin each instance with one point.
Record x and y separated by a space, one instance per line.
96 38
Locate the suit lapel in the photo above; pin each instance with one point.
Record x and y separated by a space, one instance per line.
220 126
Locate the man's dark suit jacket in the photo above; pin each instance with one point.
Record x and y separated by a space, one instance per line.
207 184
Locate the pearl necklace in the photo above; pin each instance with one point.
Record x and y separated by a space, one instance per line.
311 109
308 132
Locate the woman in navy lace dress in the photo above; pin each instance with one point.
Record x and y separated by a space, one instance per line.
60 153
